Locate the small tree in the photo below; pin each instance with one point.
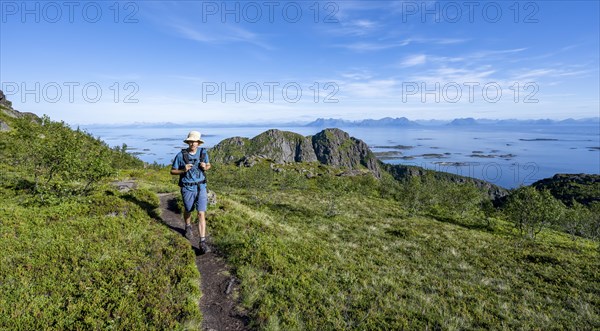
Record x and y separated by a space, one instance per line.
532 210
579 220
58 160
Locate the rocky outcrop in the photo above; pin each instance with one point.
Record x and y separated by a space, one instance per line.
275 145
7 110
335 147
230 150
283 147
330 147
4 102
583 188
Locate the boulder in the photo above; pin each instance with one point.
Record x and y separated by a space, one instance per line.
4 126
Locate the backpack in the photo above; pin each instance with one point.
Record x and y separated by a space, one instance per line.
186 160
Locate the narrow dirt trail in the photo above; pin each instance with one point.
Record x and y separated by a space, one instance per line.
218 305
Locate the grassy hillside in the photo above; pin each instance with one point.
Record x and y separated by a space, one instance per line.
75 253
334 253
313 250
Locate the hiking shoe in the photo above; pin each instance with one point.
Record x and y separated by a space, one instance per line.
204 247
188 232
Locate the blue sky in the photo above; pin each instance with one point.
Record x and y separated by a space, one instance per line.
254 61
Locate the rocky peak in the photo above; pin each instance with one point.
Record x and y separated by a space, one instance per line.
283 146
330 147
6 108
336 147
4 102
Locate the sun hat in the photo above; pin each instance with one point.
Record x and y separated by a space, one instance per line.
193 136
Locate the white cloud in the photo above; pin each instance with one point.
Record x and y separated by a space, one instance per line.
357 75
220 34
414 60
373 46
457 75
358 27
365 24
541 73
492 53
370 46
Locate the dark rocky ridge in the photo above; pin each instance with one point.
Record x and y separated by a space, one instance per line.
330 147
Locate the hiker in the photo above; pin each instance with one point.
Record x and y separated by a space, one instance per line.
190 164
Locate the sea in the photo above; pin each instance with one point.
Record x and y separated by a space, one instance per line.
508 156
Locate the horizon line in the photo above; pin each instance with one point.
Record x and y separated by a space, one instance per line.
350 121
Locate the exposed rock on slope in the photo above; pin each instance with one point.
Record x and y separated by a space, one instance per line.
330 147
7 112
4 102
335 147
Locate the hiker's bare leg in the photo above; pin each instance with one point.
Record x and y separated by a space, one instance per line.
187 217
202 224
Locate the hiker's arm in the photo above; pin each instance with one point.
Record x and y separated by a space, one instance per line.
178 166
205 164
181 171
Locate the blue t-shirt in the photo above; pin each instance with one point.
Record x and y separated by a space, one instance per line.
194 175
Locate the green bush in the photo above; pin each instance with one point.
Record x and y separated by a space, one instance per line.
54 161
582 221
442 199
532 210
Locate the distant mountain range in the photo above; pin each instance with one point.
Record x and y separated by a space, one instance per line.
404 122
386 121
342 123
569 121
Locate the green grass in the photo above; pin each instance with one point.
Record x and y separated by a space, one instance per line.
312 258
77 254
97 262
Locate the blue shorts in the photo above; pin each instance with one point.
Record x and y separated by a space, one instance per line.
194 197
